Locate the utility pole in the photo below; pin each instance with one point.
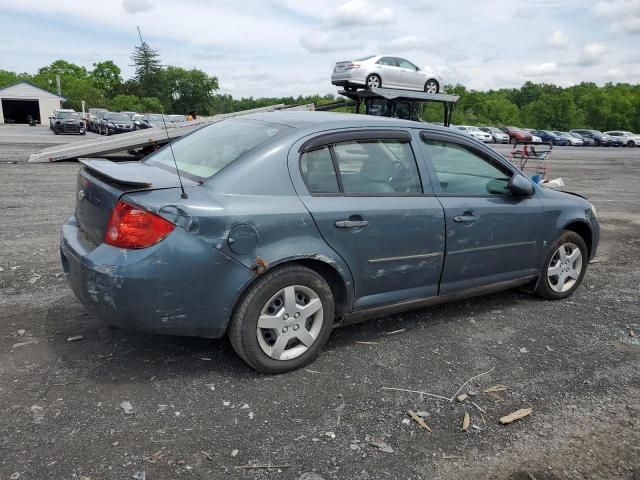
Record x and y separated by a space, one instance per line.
58 87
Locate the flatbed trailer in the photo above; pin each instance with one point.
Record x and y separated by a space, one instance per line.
395 102
140 139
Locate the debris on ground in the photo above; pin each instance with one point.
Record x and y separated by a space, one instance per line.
517 415
367 343
495 388
75 338
249 467
30 341
21 332
38 413
234 452
126 407
310 476
380 445
524 350
396 331
632 333
139 475
466 421
462 397
330 435
419 420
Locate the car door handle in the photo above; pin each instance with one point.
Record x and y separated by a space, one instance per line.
466 217
351 223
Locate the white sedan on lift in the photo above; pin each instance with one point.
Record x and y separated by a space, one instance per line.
376 71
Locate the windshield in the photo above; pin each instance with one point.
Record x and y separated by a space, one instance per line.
119 117
68 115
474 129
156 117
208 150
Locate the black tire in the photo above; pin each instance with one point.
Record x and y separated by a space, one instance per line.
596 143
373 75
631 144
512 140
543 288
432 81
244 324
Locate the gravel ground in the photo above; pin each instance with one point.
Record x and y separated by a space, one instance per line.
198 412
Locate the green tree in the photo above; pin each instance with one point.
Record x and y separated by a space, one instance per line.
184 90
105 76
148 69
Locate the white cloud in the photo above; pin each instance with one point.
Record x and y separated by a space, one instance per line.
558 39
539 69
361 12
592 54
623 14
615 73
137 6
319 42
408 42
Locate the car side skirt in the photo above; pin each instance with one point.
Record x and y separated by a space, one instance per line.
362 315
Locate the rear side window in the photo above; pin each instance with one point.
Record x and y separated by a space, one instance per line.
390 61
366 167
318 172
460 171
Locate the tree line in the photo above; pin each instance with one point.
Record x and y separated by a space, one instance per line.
158 88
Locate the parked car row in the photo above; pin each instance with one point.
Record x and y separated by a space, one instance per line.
574 138
103 122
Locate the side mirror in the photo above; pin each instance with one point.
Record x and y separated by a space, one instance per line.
520 186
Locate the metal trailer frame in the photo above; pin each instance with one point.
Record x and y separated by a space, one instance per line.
149 137
394 95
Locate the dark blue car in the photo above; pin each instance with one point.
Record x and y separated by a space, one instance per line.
551 137
292 223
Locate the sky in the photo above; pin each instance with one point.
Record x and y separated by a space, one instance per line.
288 47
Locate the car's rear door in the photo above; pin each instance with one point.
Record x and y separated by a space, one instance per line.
390 73
365 193
492 236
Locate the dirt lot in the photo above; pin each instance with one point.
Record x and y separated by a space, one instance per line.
198 412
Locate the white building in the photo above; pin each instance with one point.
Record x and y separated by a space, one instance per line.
23 99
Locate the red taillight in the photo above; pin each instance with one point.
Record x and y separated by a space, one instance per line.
133 227
352 66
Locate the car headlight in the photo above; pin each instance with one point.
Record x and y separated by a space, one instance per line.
594 211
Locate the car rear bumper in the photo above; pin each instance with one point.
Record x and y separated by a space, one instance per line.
351 77
180 286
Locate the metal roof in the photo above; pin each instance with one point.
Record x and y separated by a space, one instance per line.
34 86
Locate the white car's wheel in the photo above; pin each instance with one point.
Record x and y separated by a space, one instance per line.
431 86
373 81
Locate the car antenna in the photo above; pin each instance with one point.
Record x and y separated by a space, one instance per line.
173 155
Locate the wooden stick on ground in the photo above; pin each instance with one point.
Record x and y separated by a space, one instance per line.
419 420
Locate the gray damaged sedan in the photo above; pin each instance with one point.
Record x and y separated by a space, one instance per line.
292 223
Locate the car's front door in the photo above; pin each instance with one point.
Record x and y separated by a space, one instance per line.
366 196
411 77
492 235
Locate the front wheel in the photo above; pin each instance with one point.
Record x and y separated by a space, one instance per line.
512 140
284 320
631 144
564 268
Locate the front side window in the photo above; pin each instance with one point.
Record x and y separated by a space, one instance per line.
461 171
377 167
208 150
406 64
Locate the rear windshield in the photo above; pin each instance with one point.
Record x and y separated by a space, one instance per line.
208 150
362 59
119 117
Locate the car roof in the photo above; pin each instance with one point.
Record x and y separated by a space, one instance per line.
329 120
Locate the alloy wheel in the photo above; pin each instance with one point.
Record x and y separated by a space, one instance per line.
431 87
564 268
373 81
290 322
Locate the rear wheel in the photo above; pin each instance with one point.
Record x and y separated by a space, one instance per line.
596 143
631 144
373 81
431 86
284 320
512 140
564 268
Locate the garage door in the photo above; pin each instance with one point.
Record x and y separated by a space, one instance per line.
19 111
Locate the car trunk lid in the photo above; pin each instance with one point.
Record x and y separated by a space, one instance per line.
101 183
342 66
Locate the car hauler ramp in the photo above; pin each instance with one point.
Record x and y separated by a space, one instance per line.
394 102
141 138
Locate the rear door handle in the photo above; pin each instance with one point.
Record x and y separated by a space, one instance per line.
466 217
351 223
